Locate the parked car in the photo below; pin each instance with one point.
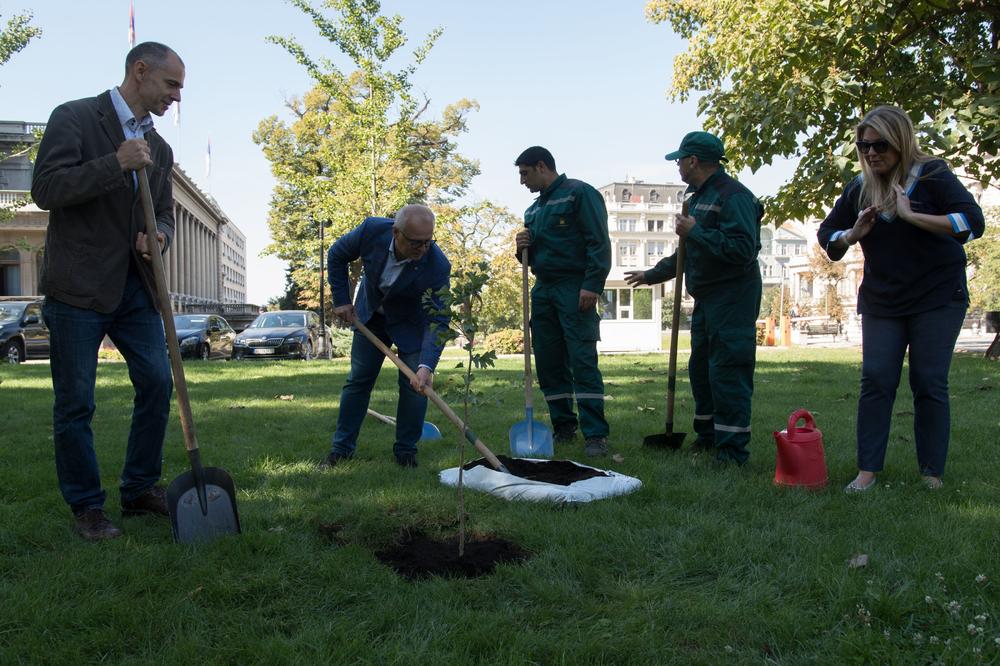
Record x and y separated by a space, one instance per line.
283 334
23 333
204 336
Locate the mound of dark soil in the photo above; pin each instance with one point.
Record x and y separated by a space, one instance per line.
418 556
558 472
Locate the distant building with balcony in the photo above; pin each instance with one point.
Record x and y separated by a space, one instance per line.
641 220
205 265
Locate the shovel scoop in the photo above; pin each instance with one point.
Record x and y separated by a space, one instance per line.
201 510
530 438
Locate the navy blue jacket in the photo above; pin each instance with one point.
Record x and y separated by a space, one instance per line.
406 322
909 270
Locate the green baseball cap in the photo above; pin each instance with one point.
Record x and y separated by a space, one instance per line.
700 144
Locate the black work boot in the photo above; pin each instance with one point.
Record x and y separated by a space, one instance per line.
564 434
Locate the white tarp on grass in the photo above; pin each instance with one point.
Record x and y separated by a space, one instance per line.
510 487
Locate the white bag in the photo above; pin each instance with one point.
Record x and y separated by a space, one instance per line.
510 487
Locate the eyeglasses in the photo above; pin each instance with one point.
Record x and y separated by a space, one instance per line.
422 243
879 146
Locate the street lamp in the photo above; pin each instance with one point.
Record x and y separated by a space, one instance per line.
322 300
322 258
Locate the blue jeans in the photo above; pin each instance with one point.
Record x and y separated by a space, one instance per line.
930 337
366 362
75 336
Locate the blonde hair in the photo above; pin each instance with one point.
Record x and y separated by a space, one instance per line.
895 128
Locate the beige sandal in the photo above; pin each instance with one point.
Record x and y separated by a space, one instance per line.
855 486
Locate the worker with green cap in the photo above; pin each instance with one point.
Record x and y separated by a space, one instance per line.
569 252
721 234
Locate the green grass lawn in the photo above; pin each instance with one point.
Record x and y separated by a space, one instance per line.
703 565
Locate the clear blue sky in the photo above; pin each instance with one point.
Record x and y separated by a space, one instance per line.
586 79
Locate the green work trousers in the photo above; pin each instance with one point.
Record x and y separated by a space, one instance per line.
723 355
565 344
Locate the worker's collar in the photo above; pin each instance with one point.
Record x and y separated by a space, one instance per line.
553 186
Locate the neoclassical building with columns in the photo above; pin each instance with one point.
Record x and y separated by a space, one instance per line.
205 265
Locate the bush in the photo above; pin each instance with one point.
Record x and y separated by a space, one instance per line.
505 341
340 342
761 333
105 354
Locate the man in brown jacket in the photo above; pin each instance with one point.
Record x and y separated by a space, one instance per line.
97 279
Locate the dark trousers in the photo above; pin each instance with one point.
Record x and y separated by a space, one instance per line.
930 337
366 363
721 367
564 341
75 336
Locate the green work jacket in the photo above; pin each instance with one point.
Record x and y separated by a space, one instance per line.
722 246
569 234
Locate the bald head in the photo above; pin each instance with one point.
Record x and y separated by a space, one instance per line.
414 217
413 231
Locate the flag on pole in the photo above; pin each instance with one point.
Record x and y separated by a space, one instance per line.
131 24
208 158
177 114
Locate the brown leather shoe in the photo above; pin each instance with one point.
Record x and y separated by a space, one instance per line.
153 501
331 461
93 525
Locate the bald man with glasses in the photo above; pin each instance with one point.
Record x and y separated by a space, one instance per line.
400 264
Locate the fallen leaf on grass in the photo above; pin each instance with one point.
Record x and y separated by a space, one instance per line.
984 387
195 591
617 457
285 397
644 408
858 561
904 413
237 406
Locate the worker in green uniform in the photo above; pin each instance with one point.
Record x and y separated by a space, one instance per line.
569 252
722 239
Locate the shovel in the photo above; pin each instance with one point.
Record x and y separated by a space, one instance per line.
435 398
428 431
202 502
671 439
528 438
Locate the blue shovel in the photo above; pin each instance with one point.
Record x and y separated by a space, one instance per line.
529 438
429 431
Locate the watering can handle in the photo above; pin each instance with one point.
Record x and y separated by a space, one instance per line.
801 414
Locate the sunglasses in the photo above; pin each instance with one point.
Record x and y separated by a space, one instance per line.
417 243
879 146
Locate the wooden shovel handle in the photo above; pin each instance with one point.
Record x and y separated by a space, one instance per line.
435 398
163 300
382 417
526 310
675 324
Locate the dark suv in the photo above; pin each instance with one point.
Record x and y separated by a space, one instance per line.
283 334
23 333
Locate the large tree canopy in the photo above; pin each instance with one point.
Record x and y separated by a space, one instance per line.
359 143
791 78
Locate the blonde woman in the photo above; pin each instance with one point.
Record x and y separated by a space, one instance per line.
912 216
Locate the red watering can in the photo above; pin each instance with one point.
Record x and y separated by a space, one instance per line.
800 460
